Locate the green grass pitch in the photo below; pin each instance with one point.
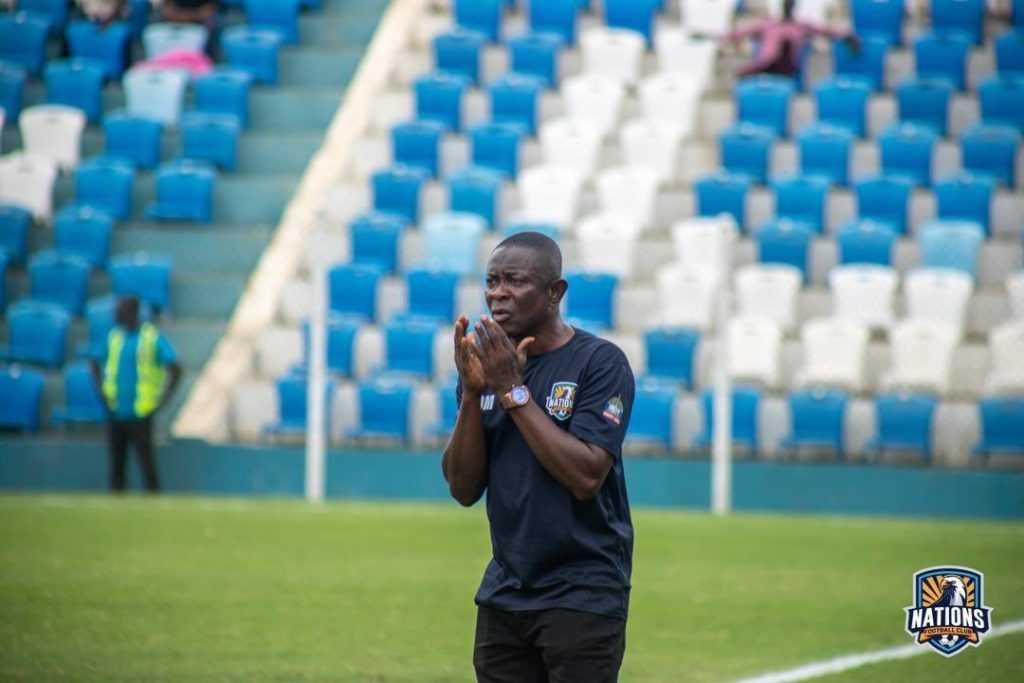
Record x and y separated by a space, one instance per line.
183 589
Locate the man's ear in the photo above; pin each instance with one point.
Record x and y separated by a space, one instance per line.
556 292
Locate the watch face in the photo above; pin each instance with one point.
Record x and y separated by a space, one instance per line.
520 395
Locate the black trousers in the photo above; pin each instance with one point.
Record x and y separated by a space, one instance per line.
547 646
138 434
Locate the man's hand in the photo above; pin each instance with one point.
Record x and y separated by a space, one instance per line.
466 362
502 363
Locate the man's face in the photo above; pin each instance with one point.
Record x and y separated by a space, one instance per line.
517 295
127 313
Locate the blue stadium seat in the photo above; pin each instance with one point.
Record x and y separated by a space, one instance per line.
1010 54
53 12
59 278
886 200
590 301
495 146
1002 425
818 420
460 51
671 354
745 150
866 241
396 190
453 242
253 51
352 290
555 16
292 390
825 153
341 343
15 222
723 192
12 88
76 83
1017 13
943 56
21 397
843 102
515 100
439 98
106 44
786 242
106 183
906 151
281 16
99 318
802 199
965 197
959 15
409 347
159 38
143 275
134 138
374 237
184 192
746 402
904 422
82 401
480 15
952 245
476 190
548 229
37 333
867 63
417 144
84 231
211 137
138 17
224 91
652 416
636 15
1002 102
878 19
449 409
23 40
925 102
432 294
5 261
991 151
764 101
385 403
536 54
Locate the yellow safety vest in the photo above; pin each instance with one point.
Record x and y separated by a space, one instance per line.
150 375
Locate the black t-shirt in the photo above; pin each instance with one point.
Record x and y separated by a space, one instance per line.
551 550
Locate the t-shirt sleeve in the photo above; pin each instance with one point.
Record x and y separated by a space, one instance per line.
165 353
605 402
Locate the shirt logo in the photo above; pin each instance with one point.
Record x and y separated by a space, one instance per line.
613 410
487 402
560 400
948 613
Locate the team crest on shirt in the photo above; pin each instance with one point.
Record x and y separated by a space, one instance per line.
560 400
949 611
613 410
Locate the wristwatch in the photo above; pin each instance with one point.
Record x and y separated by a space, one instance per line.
517 397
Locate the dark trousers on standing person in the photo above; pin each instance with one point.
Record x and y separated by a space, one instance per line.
137 434
547 646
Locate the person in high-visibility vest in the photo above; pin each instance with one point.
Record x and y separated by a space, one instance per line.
136 379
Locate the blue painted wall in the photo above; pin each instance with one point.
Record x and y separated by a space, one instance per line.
196 467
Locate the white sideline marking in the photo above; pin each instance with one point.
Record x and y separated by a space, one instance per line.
847 662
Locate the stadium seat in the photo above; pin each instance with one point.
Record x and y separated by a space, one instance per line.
921 356
53 131
607 244
671 354
683 53
409 347
37 332
590 301
495 147
99 318
23 40
341 343
572 142
842 103
281 16
884 199
1006 351
107 45
865 294
15 222
53 12
212 138
550 193
723 193
439 98
834 354
459 51
547 229
1002 426
5 261
106 183
941 294
453 242
515 100
12 87
671 99
959 15
866 242
84 231
536 55
480 15
554 16
653 413
432 294
635 15
133 138
709 18
476 190
385 404
631 192
143 275
745 150
705 243
785 242
282 350
184 192
965 197
866 64
904 423
224 91
1017 13
138 17
253 51
82 401
951 244
417 144
1002 102
352 290
1015 288
156 95
943 56
906 151
687 296
746 403
374 237
59 278
396 190
21 395
802 199
616 53
595 99
825 152
768 290
163 37
1010 54
27 181
764 101
755 350
879 18
649 143
925 102
292 396
817 420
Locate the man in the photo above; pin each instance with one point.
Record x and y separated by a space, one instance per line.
138 378
543 411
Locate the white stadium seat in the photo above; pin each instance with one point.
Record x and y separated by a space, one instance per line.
27 180
835 351
865 294
1015 288
629 191
938 294
53 131
671 99
921 355
812 11
1006 348
594 98
572 142
652 144
550 193
768 290
277 350
686 296
708 17
253 407
613 52
607 243
755 347
705 243
687 55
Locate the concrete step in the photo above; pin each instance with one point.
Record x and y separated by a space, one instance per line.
319 67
